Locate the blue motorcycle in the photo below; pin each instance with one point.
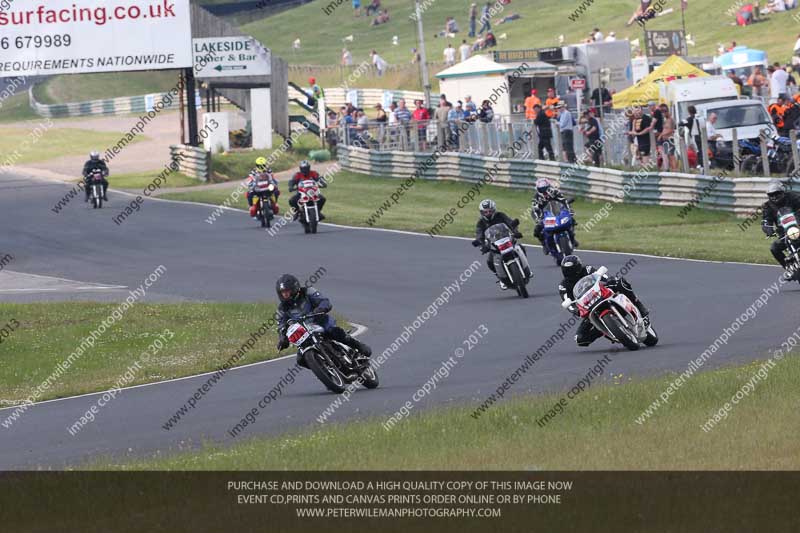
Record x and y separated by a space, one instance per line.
558 224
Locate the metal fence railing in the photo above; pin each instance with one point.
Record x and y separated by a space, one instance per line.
514 137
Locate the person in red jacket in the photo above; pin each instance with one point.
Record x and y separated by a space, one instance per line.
305 173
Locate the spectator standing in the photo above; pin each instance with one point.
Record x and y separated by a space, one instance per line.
391 115
486 113
357 7
667 137
381 115
449 55
402 113
530 104
545 131
469 106
693 129
373 7
464 49
473 15
551 102
642 126
591 129
347 58
442 115
711 134
566 123
778 82
415 56
597 35
758 82
601 97
796 52
658 127
421 117
486 23
379 63
737 80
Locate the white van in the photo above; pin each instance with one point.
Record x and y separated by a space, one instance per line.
748 117
680 94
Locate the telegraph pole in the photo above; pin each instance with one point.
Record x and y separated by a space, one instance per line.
423 61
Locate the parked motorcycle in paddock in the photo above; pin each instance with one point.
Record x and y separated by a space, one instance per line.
308 204
96 188
557 220
613 314
509 255
336 365
791 235
779 154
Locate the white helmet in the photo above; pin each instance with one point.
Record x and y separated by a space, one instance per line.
487 208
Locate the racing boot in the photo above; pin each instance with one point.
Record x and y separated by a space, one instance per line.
643 311
301 360
358 346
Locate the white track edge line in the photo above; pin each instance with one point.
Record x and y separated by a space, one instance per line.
360 329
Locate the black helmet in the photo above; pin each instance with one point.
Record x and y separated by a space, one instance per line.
487 208
571 267
287 282
305 166
776 192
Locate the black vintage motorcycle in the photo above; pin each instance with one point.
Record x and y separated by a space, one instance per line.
336 365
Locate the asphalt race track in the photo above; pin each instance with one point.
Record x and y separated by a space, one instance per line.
380 279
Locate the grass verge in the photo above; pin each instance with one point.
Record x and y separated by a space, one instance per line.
206 335
41 142
237 165
16 108
141 180
702 234
596 431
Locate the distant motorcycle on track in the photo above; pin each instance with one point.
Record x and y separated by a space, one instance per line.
308 205
558 221
508 255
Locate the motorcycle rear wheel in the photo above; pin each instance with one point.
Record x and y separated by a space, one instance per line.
622 334
327 374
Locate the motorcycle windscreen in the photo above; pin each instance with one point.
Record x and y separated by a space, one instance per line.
497 232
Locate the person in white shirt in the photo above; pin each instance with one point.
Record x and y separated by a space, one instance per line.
778 85
379 62
598 35
465 50
450 55
347 57
612 36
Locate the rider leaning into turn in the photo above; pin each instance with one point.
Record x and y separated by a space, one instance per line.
260 169
778 197
489 217
296 301
95 163
546 192
573 270
305 173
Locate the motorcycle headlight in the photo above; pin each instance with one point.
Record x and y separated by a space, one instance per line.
793 233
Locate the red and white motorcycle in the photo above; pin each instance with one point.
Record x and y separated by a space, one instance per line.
308 204
613 314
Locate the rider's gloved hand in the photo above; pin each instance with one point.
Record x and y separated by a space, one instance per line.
477 242
484 249
517 235
283 343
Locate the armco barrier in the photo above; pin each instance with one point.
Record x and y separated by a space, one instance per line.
113 106
737 195
192 161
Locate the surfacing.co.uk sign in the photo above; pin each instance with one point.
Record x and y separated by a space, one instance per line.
80 36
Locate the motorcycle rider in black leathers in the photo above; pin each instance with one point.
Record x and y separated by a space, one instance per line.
573 270
489 217
93 163
306 173
778 198
546 192
296 301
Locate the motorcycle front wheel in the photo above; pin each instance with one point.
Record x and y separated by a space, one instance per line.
620 332
327 373
518 279
370 378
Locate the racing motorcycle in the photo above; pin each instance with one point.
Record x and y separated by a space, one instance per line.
791 234
613 314
558 221
335 364
308 204
264 190
96 188
509 255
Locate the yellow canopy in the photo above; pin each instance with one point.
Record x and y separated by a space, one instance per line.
647 89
